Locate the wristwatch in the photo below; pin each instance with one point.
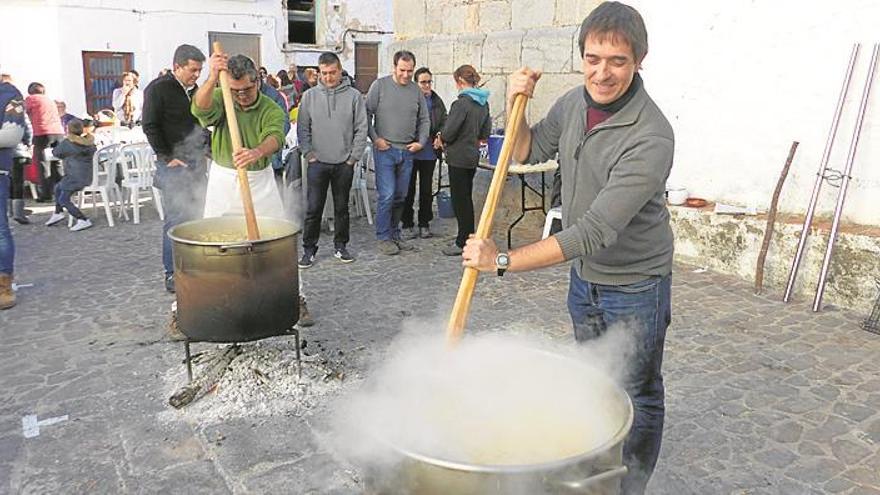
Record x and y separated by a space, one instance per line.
502 262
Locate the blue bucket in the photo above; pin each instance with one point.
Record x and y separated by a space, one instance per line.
444 205
495 142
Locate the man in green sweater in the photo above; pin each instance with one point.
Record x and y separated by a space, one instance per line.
261 124
615 151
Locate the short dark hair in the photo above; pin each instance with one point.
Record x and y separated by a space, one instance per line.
328 58
612 20
75 127
184 53
422 70
405 55
242 65
36 88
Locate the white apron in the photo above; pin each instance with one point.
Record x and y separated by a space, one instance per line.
224 195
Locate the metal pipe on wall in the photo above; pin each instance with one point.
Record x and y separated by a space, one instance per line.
841 196
820 175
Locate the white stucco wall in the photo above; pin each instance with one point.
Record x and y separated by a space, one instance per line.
740 80
151 30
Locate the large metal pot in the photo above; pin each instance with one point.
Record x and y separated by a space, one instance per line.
593 472
230 290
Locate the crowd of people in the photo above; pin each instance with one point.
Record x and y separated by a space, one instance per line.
613 145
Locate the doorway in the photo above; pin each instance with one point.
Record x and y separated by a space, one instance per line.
102 72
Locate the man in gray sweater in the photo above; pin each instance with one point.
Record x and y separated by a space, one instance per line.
399 126
615 151
332 132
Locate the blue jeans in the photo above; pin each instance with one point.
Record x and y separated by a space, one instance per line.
393 171
62 200
645 309
183 199
7 247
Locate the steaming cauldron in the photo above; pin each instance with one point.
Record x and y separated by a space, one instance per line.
234 290
596 471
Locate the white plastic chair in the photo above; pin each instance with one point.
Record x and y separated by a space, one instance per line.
138 169
359 194
103 182
553 214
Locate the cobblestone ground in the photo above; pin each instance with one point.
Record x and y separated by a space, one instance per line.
762 397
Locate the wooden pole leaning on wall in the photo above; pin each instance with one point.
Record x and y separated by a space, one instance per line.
250 217
771 220
460 308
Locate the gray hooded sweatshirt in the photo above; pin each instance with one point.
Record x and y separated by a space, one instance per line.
332 124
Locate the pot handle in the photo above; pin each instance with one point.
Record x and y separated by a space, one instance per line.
238 245
580 485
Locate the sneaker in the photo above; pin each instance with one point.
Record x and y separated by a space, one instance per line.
408 233
307 260
425 232
172 331
388 248
403 245
169 282
55 218
305 319
81 224
453 250
343 255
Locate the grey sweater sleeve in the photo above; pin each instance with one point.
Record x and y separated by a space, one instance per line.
360 128
424 122
634 180
304 127
372 104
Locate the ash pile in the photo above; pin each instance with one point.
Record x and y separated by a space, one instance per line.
258 379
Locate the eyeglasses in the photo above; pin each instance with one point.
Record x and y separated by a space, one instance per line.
428 82
242 92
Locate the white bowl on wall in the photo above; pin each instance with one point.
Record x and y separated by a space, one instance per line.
676 195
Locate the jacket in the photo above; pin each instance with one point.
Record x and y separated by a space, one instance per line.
614 216
77 153
12 123
467 123
44 115
172 131
332 124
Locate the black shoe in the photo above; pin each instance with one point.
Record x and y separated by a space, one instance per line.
342 255
307 260
169 282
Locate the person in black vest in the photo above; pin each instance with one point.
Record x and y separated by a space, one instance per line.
467 124
180 144
424 162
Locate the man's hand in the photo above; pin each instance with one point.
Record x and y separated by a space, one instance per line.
381 144
177 163
218 63
480 254
522 81
246 157
438 143
414 147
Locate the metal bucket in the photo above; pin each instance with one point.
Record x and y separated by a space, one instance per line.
594 472
232 290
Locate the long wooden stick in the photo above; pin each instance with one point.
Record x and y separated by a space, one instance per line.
250 217
771 220
462 305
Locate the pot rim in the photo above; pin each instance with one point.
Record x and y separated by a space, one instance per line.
171 233
618 437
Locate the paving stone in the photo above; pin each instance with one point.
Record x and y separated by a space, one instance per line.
787 432
849 452
778 458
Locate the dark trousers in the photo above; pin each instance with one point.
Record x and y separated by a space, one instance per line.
16 189
62 201
338 177
461 188
47 181
424 169
644 309
183 199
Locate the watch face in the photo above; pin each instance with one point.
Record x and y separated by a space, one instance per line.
503 260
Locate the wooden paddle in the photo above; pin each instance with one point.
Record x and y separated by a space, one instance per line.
250 218
457 319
